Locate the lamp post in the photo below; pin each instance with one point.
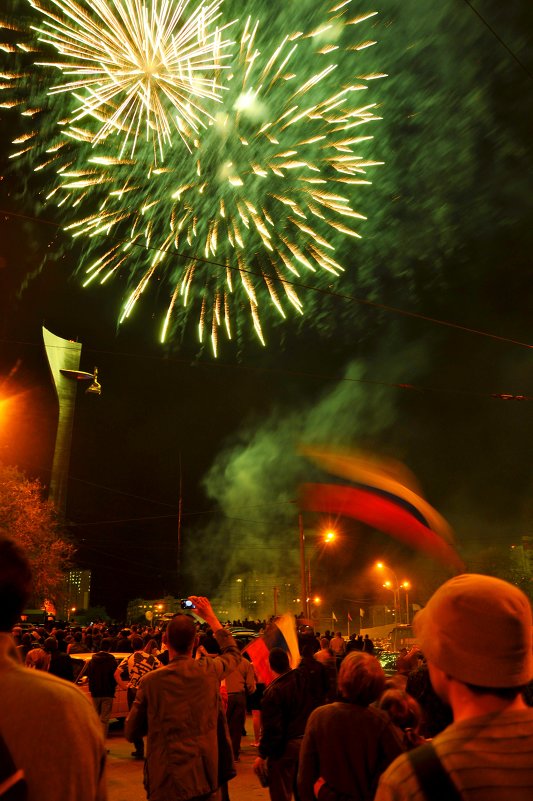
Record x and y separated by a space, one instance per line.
396 601
395 589
406 586
328 537
303 582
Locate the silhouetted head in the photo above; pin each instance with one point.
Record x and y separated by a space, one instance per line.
361 678
181 634
15 582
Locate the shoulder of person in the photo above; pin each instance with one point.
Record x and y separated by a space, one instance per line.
154 675
399 771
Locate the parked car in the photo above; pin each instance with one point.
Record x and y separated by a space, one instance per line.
120 703
387 660
243 636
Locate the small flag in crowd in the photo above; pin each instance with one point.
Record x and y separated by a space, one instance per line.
281 633
349 617
361 612
334 617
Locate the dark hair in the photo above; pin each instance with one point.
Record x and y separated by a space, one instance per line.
15 582
137 643
50 645
361 678
181 633
403 710
278 659
38 658
106 644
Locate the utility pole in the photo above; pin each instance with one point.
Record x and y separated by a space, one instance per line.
276 595
303 582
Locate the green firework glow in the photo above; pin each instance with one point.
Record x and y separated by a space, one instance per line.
231 178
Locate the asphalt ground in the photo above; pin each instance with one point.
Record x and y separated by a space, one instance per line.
125 774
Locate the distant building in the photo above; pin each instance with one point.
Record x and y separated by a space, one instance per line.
380 615
152 610
522 556
245 596
255 597
77 592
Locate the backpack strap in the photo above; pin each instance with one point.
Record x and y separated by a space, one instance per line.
434 780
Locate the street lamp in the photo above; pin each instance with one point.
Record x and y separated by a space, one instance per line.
396 602
405 585
305 574
395 589
327 538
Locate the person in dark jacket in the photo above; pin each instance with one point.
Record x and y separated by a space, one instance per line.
287 703
349 743
102 684
60 664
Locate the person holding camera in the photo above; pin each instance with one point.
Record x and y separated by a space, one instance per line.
178 707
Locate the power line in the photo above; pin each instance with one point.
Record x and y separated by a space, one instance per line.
300 285
299 373
499 39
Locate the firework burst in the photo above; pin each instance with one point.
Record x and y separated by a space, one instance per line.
261 201
132 70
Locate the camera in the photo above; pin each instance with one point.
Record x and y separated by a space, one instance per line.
186 604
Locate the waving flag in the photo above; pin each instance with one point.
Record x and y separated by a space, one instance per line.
382 494
281 633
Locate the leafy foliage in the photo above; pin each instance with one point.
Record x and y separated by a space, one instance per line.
31 521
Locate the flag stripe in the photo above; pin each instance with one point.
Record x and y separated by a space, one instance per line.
379 513
365 473
281 633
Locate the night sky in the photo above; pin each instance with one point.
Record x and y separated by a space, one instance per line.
449 237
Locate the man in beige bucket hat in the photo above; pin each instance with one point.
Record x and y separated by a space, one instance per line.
476 635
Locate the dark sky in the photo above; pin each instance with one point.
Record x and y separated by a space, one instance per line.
449 237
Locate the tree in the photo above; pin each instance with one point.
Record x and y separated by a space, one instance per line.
31 521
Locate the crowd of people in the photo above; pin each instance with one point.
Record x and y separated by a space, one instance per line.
454 722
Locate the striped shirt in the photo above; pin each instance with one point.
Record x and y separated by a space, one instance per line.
137 665
489 758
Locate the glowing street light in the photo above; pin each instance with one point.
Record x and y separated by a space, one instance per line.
328 537
395 589
405 585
